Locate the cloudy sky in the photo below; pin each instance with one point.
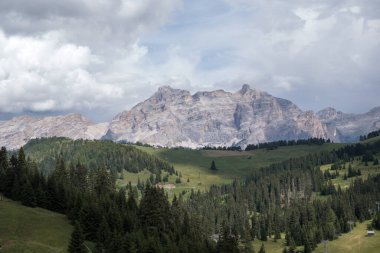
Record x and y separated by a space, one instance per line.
99 57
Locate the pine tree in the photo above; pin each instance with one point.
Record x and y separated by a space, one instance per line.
307 247
27 194
213 166
77 239
154 210
3 169
262 248
227 243
263 231
376 221
104 234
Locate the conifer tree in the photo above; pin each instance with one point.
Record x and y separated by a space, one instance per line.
262 248
227 243
376 221
77 240
307 247
213 166
104 233
27 194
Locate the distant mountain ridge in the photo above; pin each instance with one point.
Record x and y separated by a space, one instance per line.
174 117
19 130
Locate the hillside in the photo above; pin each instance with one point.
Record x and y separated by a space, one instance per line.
195 164
25 229
92 154
264 178
356 241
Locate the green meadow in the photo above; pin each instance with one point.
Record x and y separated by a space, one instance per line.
370 169
25 229
356 241
194 165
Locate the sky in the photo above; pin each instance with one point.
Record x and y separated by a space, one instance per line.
100 57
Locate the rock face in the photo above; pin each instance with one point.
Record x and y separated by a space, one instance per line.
173 117
17 131
345 127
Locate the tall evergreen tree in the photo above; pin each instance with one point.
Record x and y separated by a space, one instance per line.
27 194
227 243
262 248
213 166
77 240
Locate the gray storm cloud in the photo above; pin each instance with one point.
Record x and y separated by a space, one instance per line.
104 56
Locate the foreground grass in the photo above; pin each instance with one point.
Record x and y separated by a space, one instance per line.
24 229
194 164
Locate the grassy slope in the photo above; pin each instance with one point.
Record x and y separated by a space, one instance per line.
24 229
356 241
270 246
366 170
194 164
371 140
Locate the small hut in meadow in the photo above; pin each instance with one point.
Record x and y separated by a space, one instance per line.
370 233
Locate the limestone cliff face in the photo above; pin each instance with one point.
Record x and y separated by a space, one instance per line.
173 117
19 130
343 127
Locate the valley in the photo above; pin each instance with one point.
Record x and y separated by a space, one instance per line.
176 126
195 164
182 172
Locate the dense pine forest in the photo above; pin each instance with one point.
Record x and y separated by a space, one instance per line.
294 199
93 154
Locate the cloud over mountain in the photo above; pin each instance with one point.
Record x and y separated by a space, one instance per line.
100 57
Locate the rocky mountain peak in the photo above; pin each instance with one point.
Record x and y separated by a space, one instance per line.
251 93
244 89
167 93
329 114
375 110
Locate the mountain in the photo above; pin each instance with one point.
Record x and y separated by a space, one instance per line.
16 132
174 117
347 127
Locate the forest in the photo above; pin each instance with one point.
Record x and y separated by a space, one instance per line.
276 201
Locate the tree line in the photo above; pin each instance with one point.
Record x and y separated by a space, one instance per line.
370 135
285 143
